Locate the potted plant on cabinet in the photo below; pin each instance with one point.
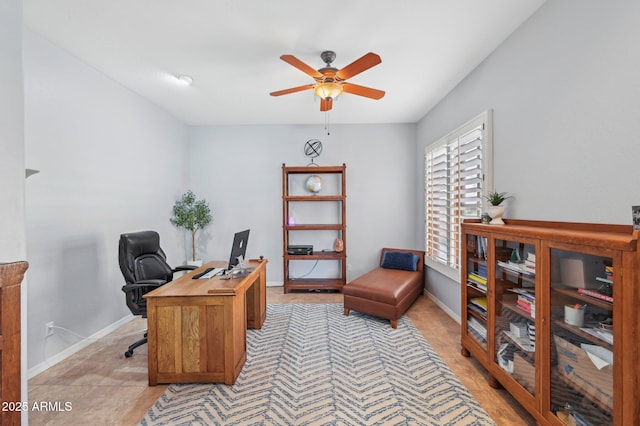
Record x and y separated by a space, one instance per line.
496 209
193 215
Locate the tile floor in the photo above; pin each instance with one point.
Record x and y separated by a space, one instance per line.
105 388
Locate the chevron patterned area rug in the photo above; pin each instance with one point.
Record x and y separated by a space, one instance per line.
311 365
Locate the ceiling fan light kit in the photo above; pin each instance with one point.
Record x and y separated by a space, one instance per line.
331 82
328 90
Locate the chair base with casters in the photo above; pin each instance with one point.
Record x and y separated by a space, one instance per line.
143 341
144 267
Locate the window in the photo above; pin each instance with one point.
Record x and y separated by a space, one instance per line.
457 171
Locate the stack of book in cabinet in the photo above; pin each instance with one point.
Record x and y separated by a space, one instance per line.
478 305
526 300
605 288
478 278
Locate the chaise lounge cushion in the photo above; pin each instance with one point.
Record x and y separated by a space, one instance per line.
381 285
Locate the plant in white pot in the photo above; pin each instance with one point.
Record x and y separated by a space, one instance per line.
193 215
496 209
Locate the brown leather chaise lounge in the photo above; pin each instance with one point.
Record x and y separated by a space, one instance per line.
389 290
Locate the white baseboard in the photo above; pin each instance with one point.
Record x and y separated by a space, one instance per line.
444 307
61 356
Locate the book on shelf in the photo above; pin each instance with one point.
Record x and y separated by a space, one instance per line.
480 303
482 270
604 280
526 300
530 263
595 294
528 295
477 278
481 312
526 306
518 268
478 327
521 342
482 243
608 275
479 286
604 335
477 246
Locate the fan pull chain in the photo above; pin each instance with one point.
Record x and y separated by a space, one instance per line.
326 122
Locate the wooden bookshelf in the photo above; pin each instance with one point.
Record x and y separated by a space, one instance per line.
289 199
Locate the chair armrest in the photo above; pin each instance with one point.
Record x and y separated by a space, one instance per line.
142 284
185 268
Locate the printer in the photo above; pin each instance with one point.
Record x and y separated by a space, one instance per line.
300 250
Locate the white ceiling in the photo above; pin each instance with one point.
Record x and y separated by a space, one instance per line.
231 49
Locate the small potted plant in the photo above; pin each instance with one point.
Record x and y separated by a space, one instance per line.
496 209
193 215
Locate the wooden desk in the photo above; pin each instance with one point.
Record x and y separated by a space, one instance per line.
197 328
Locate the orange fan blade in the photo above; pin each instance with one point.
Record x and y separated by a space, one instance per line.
367 92
292 90
326 104
292 60
356 67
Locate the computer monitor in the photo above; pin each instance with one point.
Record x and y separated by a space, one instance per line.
239 247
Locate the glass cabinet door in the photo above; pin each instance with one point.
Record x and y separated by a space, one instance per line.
515 310
582 336
476 289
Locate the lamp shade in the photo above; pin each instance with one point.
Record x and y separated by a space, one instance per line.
328 90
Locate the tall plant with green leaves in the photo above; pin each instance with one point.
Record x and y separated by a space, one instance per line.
191 214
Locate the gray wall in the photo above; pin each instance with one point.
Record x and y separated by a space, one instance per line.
565 94
110 162
12 177
12 182
238 169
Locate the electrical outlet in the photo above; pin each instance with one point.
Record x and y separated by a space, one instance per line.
49 328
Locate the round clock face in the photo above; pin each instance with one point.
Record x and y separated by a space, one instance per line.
314 184
313 148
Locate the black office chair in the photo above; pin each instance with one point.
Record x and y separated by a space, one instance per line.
144 266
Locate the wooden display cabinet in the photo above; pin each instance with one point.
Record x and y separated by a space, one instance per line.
559 329
291 229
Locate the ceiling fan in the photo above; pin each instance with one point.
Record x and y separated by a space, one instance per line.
330 81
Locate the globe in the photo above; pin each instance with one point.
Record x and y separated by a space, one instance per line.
314 184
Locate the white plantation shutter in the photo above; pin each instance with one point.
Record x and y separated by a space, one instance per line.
455 171
438 200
